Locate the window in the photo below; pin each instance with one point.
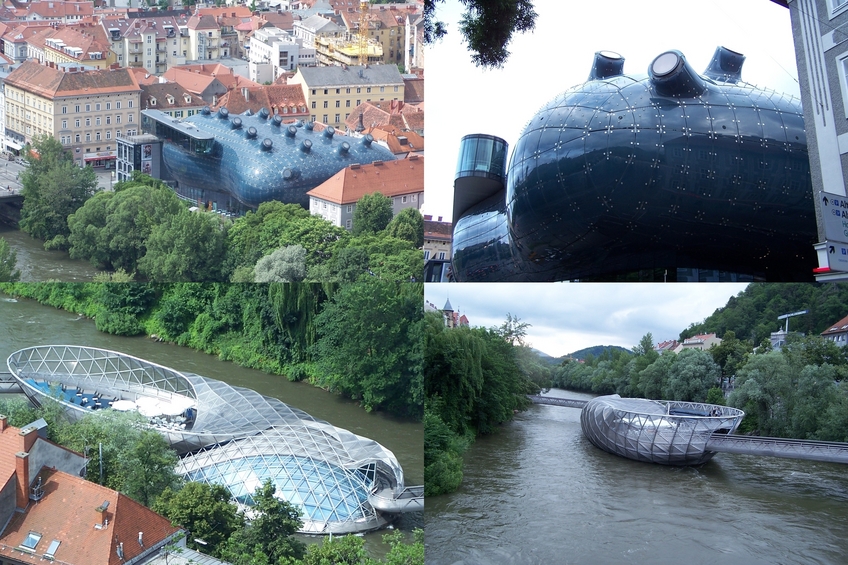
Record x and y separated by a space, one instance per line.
324 118
30 541
326 91
396 89
326 102
426 254
403 199
348 224
88 107
149 39
347 103
108 120
368 90
313 104
358 90
413 197
129 117
108 105
338 103
64 124
97 136
87 137
382 89
76 109
77 138
64 109
118 105
337 118
441 254
108 134
88 122
118 119
129 104
349 208
97 121
358 102
347 91
97 107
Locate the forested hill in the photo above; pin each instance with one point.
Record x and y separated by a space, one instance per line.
594 351
752 314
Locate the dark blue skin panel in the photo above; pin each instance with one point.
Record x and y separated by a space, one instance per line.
611 178
237 164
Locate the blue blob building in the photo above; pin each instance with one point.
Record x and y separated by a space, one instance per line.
239 162
673 176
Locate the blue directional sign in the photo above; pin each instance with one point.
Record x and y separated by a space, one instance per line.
835 214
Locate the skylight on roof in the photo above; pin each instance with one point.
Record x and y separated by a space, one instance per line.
51 551
31 541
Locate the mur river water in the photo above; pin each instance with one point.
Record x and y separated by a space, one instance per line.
537 492
25 323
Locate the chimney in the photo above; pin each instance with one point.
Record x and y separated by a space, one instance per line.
27 439
440 218
3 423
428 217
101 517
246 93
22 479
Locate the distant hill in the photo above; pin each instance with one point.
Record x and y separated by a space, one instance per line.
545 358
595 350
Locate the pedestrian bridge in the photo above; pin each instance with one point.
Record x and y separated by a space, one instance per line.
624 432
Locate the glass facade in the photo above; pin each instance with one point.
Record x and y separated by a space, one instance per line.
253 158
661 174
656 431
228 435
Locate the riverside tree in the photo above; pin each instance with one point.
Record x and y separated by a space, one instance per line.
53 189
8 262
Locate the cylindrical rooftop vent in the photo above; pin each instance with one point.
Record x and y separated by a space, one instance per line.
291 131
290 174
344 148
263 113
276 121
329 132
267 144
236 123
606 64
223 113
306 146
671 75
726 65
367 140
309 126
251 132
205 111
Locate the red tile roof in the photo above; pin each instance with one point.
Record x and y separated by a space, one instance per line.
437 230
67 514
274 97
51 82
839 327
389 178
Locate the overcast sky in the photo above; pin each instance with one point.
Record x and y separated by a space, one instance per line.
463 99
566 317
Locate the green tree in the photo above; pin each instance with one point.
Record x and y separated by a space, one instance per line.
513 330
408 225
204 510
487 27
286 264
187 248
339 550
269 533
402 553
369 345
693 374
53 189
372 214
8 262
148 467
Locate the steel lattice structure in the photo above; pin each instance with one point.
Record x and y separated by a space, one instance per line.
239 437
657 431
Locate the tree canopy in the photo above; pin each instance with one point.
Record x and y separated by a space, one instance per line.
372 214
53 189
487 27
8 262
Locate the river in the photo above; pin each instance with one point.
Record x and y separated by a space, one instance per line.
25 323
537 492
37 264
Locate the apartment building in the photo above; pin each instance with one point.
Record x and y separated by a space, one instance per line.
316 26
80 44
273 51
332 93
155 42
58 11
388 24
401 180
85 110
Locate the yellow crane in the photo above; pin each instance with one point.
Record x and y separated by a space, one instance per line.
363 31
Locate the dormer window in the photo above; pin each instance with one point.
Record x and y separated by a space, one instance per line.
187 98
152 101
170 99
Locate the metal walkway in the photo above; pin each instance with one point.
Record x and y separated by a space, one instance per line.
8 384
569 402
830 451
